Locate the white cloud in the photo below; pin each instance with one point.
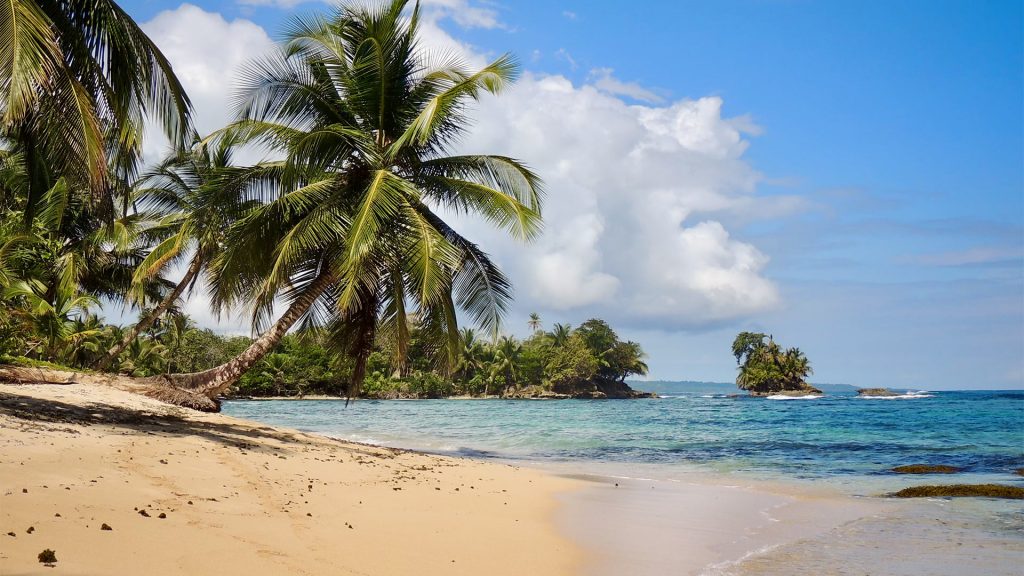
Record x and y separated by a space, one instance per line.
636 200
569 14
603 80
463 13
639 196
207 53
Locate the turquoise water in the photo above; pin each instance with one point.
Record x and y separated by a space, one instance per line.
834 436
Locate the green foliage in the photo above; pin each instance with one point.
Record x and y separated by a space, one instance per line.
571 362
764 367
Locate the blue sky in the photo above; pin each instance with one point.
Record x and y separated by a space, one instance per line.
873 172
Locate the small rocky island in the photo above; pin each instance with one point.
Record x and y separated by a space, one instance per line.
766 369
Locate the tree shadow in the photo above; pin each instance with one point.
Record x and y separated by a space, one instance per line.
242 436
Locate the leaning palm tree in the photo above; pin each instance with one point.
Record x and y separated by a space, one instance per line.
178 189
77 80
349 236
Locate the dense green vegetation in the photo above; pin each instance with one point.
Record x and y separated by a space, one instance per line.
307 362
343 231
765 368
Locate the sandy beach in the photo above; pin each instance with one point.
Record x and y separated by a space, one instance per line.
190 493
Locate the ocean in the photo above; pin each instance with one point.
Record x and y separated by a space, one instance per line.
846 443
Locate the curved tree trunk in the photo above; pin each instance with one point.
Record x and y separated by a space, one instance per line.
217 380
146 321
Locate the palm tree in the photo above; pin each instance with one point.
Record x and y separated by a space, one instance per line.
506 354
795 368
631 360
534 322
560 334
77 80
53 317
471 355
174 336
146 356
348 236
179 188
275 369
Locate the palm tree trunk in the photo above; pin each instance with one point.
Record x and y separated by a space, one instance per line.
215 381
146 321
362 346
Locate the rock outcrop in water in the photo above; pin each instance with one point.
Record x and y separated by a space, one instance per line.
881 392
926 469
962 491
592 389
805 390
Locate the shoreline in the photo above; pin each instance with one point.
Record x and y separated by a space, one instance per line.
679 519
248 490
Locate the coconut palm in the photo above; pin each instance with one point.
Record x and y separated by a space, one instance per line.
471 354
349 236
77 80
534 322
275 370
174 336
560 334
53 317
179 189
503 367
146 356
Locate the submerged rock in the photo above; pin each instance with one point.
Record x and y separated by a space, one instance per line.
927 469
962 490
875 392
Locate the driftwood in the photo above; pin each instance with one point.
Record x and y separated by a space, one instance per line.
156 388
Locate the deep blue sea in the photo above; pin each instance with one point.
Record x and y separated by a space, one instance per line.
693 428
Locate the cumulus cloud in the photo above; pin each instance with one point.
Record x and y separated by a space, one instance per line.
207 53
639 201
635 200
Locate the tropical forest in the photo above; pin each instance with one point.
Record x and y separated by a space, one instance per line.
337 245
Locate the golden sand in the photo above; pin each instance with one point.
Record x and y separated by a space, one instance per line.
190 493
